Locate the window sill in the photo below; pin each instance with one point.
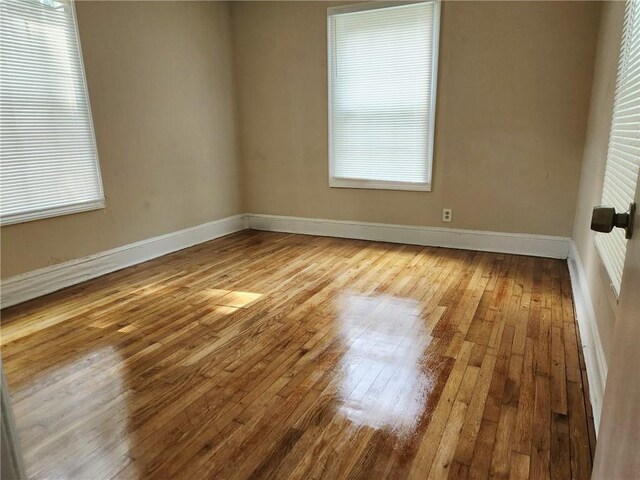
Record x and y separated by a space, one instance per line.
378 185
54 212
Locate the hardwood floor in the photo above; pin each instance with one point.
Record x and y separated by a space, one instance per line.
264 355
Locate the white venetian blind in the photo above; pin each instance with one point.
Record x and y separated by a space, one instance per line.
48 158
382 69
623 159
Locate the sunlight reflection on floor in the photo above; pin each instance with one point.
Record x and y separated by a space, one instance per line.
384 384
105 391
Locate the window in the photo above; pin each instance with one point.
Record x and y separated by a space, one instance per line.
48 157
623 159
382 85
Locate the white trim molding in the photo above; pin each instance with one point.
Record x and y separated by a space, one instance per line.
332 46
594 358
516 243
46 280
27 286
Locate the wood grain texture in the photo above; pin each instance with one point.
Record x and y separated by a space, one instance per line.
266 355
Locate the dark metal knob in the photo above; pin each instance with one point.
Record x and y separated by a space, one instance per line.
604 219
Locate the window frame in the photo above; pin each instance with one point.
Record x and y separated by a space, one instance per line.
335 182
603 246
99 203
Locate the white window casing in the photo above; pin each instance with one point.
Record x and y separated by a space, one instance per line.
382 72
48 157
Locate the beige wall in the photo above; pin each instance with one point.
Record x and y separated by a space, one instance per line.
513 99
512 104
161 84
595 154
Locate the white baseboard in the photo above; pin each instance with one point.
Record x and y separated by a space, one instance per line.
50 279
516 243
594 358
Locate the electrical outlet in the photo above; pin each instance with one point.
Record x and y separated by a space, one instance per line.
447 213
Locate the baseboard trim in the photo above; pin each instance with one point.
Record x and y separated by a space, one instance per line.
515 243
27 286
594 358
46 280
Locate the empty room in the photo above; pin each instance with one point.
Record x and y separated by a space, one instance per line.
320 240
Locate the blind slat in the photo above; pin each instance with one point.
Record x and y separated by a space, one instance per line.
623 159
48 162
382 64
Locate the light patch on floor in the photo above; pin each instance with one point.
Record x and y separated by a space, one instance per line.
383 385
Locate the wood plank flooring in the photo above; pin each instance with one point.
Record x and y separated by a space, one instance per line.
266 355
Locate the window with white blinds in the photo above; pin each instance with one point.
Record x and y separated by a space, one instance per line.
382 85
623 159
48 158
